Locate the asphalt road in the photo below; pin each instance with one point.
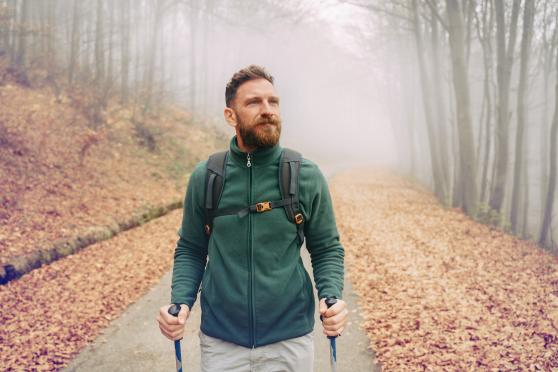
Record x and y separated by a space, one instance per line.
133 342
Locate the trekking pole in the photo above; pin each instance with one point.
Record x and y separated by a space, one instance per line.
174 310
332 347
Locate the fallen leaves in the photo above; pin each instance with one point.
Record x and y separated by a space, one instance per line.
439 291
47 193
50 314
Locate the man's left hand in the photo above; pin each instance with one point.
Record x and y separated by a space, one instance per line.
335 318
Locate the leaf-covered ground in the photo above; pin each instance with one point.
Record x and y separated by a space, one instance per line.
58 177
439 291
52 313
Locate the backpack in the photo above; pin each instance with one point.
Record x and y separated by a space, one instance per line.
289 170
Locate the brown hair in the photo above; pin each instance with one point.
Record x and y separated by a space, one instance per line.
251 72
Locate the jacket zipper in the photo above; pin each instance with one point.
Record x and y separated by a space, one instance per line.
251 260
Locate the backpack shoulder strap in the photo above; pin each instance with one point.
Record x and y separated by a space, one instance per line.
214 181
289 171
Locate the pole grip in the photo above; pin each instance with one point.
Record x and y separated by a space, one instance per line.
174 310
330 301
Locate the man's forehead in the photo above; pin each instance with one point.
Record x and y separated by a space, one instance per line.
256 88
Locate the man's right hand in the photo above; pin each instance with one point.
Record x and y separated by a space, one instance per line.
173 327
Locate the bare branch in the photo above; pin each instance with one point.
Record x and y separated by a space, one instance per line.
376 9
434 10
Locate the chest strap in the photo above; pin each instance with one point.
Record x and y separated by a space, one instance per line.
254 208
289 170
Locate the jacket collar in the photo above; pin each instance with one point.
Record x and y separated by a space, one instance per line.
258 157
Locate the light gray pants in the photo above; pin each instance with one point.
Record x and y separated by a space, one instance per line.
292 355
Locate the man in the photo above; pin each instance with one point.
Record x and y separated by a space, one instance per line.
256 298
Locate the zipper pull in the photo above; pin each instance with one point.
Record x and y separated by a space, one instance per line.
248 163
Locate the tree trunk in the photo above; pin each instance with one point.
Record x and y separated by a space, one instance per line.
125 49
484 33
138 48
21 58
441 117
522 94
12 6
408 71
150 71
162 67
551 186
545 127
426 99
88 51
5 18
504 68
74 47
525 201
110 66
99 46
463 107
41 12
193 51
51 37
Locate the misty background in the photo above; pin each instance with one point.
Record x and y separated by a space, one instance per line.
458 95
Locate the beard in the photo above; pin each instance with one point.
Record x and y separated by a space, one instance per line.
264 133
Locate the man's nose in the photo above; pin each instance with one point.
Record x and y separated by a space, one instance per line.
268 109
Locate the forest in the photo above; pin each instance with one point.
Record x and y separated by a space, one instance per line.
469 85
435 123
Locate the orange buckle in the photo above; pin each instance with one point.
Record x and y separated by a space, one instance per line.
298 218
207 229
263 207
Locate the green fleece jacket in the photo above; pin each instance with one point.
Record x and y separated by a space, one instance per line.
254 288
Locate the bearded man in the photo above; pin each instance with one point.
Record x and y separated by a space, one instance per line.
256 298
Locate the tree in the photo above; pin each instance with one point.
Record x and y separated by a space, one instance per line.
522 92
75 42
467 163
125 49
428 111
99 46
150 70
439 101
553 156
193 49
504 58
21 56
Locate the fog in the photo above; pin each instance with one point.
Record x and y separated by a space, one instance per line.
457 95
331 100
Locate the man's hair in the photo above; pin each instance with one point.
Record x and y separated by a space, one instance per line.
251 72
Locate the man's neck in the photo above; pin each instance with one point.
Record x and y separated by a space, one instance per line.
242 146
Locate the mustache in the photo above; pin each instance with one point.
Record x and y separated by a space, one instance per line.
269 120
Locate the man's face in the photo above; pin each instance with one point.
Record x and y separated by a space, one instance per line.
258 119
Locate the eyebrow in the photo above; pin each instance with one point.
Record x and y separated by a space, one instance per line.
251 98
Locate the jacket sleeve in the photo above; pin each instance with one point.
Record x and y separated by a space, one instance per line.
190 254
322 238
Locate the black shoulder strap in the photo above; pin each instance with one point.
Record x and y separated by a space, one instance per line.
289 170
214 181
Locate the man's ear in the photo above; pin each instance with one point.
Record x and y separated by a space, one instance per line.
230 117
